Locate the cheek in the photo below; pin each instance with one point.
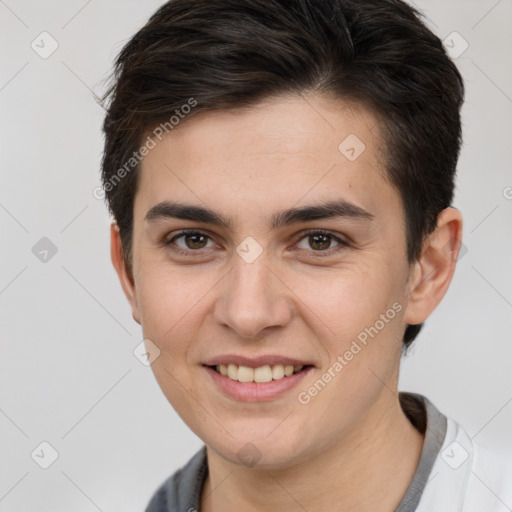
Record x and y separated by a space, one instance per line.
171 308
357 318
169 297
347 302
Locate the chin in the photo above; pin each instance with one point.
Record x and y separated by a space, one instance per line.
260 451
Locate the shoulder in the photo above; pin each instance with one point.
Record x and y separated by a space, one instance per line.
490 481
181 491
468 476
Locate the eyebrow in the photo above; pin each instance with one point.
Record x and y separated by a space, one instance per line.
325 210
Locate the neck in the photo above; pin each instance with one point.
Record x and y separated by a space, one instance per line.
369 469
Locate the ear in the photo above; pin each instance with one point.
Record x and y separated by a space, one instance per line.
125 277
432 273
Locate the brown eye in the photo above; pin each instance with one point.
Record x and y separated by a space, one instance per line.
189 241
195 241
320 241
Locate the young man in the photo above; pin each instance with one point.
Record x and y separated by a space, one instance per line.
281 174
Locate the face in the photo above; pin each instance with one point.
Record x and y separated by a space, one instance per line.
272 279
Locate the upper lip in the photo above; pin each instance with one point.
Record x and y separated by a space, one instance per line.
255 362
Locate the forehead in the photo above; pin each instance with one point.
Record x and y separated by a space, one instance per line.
283 151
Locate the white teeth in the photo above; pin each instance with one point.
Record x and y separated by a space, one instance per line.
264 373
233 371
245 374
277 371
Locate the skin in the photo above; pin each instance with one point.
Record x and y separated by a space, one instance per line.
334 453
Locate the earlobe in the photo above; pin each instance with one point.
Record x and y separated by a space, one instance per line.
432 273
125 277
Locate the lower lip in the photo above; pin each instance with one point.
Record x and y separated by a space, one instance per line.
256 391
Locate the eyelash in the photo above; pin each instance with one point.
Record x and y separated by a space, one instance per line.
342 244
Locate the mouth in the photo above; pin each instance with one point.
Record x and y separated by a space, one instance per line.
258 379
260 374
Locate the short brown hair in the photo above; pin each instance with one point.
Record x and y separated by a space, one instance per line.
228 54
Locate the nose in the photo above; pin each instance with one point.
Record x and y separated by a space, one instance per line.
253 299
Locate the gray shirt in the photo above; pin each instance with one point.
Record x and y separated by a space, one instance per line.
181 492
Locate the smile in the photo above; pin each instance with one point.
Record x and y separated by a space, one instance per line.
256 378
264 373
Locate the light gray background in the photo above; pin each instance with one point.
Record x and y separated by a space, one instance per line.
68 375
